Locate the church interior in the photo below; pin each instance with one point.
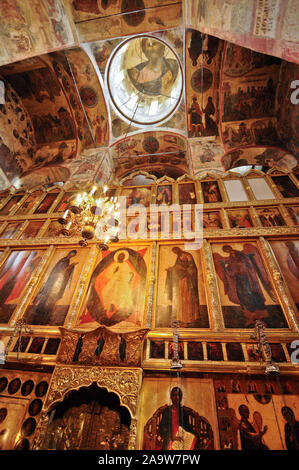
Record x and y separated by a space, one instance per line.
149 213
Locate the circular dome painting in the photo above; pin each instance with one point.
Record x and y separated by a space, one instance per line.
144 79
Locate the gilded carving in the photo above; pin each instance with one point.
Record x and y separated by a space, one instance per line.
290 310
124 382
32 284
212 291
150 300
101 346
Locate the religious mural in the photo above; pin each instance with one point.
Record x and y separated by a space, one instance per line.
255 414
85 168
246 291
47 175
176 418
61 66
15 274
17 140
112 19
259 156
152 151
116 292
202 68
205 154
181 294
241 103
105 170
92 98
254 27
287 112
248 76
39 88
287 255
53 298
32 28
144 69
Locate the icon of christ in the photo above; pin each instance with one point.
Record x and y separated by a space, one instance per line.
117 288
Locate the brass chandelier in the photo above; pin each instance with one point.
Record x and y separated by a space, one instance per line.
93 214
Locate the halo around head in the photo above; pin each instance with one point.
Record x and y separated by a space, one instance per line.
119 252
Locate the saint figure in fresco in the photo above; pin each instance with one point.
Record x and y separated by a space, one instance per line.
251 438
241 273
157 75
209 111
175 426
182 288
195 112
291 428
58 282
116 290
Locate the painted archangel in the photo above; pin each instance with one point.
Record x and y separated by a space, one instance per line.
244 277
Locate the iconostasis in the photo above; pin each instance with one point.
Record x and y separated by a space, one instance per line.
161 101
116 308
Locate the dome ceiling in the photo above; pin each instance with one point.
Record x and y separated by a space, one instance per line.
126 85
144 80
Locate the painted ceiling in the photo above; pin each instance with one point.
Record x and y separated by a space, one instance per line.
101 88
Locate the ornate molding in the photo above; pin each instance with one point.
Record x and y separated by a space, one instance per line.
208 233
124 382
82 285
101 347
279 283
150 294
212 291
31 286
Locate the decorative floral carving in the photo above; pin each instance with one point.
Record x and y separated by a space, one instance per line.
102 347
124 382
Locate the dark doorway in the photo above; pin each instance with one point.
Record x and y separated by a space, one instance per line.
88 419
